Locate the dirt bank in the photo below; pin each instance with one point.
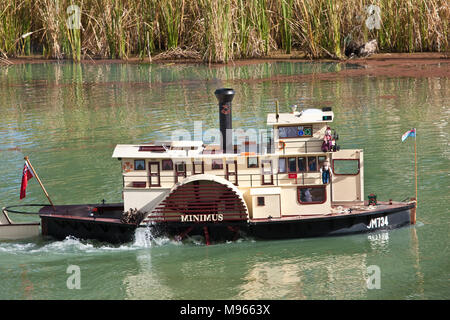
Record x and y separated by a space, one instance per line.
414 65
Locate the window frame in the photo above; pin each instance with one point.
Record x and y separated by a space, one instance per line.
285 165
156 174
288 167
260 203
297 168
162 164
305 165
179 173
346 174
135 166
212 164
248 162
229 173
324 187
266 173
297 136
196 163
317 164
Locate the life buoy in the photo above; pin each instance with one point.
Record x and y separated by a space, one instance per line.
127 166
226 109
281 144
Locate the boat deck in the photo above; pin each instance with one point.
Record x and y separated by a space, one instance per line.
87 212
341 210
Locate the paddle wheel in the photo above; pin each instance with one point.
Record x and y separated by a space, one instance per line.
213 209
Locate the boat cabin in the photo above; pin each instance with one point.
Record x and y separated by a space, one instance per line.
279 179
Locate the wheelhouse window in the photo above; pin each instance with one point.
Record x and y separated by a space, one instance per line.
252 162
312 164
282 165
321 160
139 165
346 166
294 131
217 164
312 194
167 165
292 167
301 164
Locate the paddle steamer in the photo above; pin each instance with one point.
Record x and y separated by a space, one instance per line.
293 183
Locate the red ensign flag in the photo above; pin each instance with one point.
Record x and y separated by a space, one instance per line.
27 175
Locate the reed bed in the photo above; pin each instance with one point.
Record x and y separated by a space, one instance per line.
218 30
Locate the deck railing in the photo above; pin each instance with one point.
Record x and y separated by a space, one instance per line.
241 180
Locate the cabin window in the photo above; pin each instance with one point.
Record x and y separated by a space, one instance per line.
252 162
301 163
312 164
260 201
312 194
198 167
180 170
292 167
346 166
267 172
266 166
217 164
321 160
294 131
282 165
180 167
139 164
167 165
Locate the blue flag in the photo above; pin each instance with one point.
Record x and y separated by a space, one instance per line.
410 133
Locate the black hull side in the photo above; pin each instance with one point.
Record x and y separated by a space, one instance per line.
60 228
212 232
331 226
293 228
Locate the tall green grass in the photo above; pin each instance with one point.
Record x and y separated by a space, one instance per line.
219 30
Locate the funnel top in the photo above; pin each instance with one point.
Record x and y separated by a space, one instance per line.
224 95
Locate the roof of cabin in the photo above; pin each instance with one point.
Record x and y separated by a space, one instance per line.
301 117
160 150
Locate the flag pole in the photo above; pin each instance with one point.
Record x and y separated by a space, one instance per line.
40 183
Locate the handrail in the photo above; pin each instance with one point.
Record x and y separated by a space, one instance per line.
7 209
252 179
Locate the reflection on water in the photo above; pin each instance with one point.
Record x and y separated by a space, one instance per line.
331 268
337 277
68 117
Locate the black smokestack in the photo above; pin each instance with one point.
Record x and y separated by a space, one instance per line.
225 96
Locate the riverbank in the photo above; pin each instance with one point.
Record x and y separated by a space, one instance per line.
416 65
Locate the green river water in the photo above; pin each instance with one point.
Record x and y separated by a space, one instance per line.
68 118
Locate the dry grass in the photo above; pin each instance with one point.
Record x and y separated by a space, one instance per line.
218 30
178 53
